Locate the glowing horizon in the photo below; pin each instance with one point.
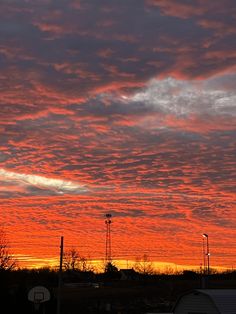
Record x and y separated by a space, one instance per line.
98 265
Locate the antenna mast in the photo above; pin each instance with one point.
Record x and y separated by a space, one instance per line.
108 222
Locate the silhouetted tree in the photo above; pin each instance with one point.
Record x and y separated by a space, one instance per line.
7 261
70 259
111 272
85 265
110 268
73 261
144 266
169 270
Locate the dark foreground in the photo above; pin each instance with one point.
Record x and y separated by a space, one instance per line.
87 293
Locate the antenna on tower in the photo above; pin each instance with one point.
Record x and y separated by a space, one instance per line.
108 222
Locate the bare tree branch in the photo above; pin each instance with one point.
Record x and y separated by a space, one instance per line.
73 261
7 261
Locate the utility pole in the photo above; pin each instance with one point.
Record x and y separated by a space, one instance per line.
60 278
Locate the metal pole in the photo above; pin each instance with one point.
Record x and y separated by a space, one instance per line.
208 257
60 278
204 255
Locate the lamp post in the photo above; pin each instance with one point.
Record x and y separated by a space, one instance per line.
204 255
207 252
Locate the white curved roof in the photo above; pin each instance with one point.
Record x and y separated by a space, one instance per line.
224 299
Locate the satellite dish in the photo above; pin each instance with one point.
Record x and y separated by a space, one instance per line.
39 294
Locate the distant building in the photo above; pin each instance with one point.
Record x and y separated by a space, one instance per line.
128 274
207 301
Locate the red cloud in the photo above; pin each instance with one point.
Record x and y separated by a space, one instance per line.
185 10
69 72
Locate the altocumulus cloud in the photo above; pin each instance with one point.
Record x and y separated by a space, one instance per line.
56 185
182 97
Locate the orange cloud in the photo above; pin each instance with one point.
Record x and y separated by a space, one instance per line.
134 102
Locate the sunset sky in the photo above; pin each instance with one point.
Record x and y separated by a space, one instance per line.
125 107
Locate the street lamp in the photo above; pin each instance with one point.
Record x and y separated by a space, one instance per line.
206 253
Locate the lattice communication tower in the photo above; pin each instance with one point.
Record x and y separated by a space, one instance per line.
108 221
